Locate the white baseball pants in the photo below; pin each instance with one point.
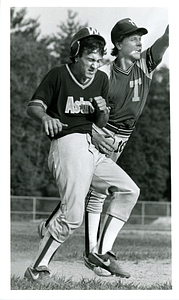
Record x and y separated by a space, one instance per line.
95 200
76 165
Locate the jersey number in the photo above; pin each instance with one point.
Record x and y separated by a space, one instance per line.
135 84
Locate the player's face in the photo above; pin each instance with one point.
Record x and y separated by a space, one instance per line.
88 64
131 47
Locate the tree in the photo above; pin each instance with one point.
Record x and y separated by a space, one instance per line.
19 24
62 39
28 150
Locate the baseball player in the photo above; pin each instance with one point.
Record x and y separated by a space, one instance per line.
67 102
130 76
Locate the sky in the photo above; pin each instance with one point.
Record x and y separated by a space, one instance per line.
154 19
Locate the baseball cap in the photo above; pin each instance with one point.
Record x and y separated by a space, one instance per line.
85 32
125 26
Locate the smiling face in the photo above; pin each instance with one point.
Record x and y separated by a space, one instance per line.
88 64
130 47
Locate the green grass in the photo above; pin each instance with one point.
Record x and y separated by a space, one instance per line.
128 246
84 284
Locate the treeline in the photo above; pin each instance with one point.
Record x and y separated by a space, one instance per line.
146 157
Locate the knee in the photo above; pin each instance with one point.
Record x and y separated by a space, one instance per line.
130 190
135 191
61 228
123 202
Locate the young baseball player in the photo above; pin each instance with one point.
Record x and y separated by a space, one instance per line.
67 102
130 76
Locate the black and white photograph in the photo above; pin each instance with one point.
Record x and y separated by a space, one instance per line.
89 197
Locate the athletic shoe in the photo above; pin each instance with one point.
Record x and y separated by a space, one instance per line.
108 261
40 274
97 270
41 229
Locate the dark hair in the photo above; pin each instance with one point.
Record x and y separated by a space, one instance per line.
90 44
114 51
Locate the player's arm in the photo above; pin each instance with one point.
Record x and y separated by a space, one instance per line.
100 104
160 46
37 111
102 111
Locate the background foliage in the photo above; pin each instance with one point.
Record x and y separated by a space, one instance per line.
146 157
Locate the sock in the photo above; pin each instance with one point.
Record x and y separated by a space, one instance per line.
109 232
92 226
47 248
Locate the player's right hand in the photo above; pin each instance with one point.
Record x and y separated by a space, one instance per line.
103 143
52 126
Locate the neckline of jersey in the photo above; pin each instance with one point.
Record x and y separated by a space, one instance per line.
120 70
83 86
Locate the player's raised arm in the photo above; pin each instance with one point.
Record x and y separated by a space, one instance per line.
160 45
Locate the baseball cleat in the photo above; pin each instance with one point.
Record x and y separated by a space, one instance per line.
41 229
40 274
108 261
97 270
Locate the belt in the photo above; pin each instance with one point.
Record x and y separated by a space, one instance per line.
117 130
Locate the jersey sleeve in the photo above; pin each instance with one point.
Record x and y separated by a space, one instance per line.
151 63
146 63
47 90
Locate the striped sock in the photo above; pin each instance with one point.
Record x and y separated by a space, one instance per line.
109 232
47 249
92 222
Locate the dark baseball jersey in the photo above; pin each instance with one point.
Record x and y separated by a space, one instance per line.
68 100
128 89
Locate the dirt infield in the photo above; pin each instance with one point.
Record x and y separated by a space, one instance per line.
143 273
150 251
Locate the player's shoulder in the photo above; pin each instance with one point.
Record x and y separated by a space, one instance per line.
100 73
55 72
106 68
57 69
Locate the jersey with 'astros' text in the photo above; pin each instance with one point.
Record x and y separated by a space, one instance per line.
128 89
69 101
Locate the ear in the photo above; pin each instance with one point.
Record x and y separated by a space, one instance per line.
118 45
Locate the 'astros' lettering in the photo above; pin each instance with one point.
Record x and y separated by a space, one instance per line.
76 107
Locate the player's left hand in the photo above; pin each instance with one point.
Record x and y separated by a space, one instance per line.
99 103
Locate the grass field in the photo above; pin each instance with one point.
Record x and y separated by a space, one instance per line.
138 250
